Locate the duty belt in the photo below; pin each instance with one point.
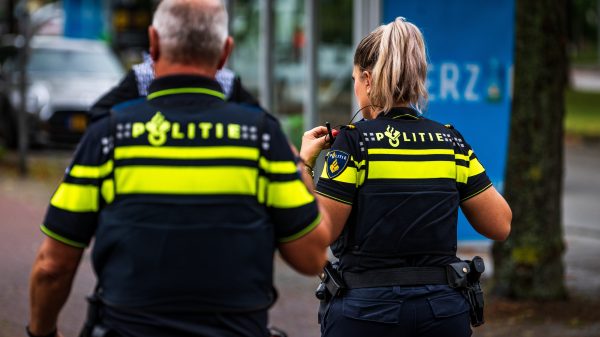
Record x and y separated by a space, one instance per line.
407 276
462 275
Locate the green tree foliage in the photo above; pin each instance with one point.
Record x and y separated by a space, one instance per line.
336 21
584 18
529 264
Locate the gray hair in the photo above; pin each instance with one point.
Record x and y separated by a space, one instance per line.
191 31
396 57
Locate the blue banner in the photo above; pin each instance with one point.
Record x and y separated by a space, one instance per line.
470 44
84 19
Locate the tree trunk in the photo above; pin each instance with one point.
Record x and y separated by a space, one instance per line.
529 264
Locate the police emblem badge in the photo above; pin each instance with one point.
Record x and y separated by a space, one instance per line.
336 162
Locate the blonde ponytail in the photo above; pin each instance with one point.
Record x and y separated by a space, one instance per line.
395 55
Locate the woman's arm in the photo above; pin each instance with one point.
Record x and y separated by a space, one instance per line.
489 214
334 213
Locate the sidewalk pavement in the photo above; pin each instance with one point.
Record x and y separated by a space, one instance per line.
585 78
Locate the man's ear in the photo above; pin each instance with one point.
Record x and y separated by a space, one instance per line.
154 45
227 48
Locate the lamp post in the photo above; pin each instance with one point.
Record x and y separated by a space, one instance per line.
29 24
22 43
266 54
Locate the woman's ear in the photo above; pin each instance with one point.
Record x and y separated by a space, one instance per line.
367 77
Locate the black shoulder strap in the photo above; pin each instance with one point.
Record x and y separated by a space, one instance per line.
455 144
261 139
457 138
112 145
363 145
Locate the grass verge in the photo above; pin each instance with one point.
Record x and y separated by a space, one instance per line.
582 114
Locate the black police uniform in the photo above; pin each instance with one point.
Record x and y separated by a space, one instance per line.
187 196
405 177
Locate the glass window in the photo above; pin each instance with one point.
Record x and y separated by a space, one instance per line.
244 25
289 69
335 56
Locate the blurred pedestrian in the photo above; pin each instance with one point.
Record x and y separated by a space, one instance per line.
186 195
136 81
395 181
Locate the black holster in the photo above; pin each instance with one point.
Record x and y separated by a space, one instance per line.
93 326
465 276
331 285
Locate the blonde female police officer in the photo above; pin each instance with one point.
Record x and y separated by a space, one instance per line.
394 181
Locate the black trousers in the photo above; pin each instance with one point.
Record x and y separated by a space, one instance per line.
425 311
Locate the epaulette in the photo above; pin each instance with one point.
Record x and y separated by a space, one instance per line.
449 126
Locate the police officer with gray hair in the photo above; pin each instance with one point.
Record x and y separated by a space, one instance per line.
187 197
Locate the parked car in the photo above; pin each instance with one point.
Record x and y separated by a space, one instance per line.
64 78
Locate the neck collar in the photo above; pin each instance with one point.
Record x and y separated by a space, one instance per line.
184 84
401 113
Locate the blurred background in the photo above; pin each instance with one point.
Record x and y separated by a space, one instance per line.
121 26
118 33
58 57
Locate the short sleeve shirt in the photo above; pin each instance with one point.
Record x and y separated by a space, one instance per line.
89 182
399 146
